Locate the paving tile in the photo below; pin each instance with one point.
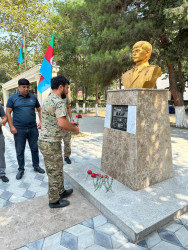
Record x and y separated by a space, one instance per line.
15 198
179 222
173 226
69 241
36 188
102 239
169 237
16 190
4 185
39 177
44 184
186 226
29 194
163 245
24 185
99 220
52 242
152 239
36 245
41 193
77 229
96 247
143 244
118 239
184 218
2 202
86 239
8 203
6 195
182 235
88 223
130 246
23 248
108 228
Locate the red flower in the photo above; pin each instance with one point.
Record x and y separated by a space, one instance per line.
106 176
101 176
93 175
78 116
89 172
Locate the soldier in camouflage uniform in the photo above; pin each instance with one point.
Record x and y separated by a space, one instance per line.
67 137
54 127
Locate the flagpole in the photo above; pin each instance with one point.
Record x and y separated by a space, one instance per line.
25 56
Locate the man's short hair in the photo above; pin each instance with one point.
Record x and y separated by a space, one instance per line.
23 81
57 81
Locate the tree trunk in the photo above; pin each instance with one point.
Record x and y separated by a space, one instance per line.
77 106
120 83
106 89
84 105
177 93
86 93
96 97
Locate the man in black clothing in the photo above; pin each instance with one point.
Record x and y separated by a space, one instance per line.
2 147
24 126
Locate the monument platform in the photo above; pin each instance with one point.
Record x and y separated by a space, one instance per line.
136 213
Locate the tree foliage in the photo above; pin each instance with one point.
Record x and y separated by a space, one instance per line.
23 17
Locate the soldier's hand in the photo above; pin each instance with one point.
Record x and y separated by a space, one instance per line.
74 123
76 131
13 130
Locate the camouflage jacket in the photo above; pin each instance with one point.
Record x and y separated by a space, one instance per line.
53 107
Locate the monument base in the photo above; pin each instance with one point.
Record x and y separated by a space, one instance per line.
139 213
137 144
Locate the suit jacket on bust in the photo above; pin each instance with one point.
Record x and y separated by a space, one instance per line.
141 77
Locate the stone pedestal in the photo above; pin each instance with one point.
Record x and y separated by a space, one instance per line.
140 156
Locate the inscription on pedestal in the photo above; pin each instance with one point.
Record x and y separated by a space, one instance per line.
119 117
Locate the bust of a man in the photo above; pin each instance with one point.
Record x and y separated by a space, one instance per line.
142 75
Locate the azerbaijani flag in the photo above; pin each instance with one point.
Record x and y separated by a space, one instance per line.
21 54
46 68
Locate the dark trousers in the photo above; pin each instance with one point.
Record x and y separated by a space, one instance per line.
2 157
30 134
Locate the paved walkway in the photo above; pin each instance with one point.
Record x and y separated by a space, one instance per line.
96 233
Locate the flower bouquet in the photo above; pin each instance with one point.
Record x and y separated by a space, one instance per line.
101 180
78 116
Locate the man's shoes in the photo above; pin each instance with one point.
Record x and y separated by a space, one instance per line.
4 178
40 170
19 174
60 203
66 193
68 160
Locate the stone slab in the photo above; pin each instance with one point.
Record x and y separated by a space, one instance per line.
136 213
31 220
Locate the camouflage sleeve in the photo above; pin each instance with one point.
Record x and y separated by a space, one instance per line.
68 102
60 110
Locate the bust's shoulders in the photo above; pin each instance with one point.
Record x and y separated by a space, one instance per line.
152 66
128 72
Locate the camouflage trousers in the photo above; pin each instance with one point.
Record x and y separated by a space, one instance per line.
67 144
53 160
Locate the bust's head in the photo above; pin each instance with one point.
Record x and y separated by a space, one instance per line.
141 51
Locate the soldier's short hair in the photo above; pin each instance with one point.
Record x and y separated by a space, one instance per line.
57 81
